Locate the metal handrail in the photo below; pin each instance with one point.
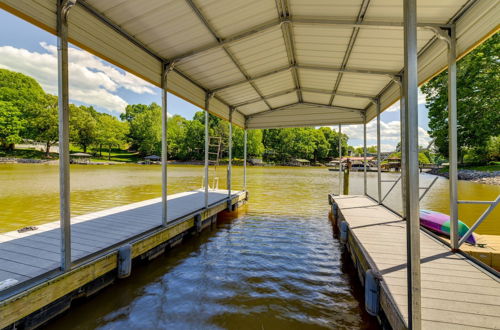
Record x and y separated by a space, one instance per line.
390 189
427 188
483 216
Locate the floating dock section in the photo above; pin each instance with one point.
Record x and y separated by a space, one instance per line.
105 245
456 292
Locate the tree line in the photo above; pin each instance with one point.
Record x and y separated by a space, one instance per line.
28 113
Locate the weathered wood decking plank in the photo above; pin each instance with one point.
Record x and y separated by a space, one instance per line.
26 255
456 294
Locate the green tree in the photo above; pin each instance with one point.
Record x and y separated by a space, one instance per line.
20 95
493 147
332 137
83 126
176 135
478 117
43 122
111 132
11 125
145 130
255 148
139 115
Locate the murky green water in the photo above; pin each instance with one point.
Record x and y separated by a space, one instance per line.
276 266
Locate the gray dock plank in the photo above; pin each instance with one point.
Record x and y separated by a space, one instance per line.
456 294
29 254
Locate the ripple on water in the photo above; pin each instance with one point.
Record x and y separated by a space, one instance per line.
251 273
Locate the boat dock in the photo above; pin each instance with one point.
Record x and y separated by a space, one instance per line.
456 293
34 289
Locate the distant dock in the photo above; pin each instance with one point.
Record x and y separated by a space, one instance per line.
456 293
105 245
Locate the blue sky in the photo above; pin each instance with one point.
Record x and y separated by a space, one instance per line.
33 51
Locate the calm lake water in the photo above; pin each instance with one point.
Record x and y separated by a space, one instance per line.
276 266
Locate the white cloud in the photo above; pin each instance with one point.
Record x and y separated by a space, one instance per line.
390 134
92 81
395 106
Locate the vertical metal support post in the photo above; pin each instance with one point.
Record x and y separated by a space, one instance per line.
402 146
63 8
365 163
207 104
452 138
340 159
164 150
230 154
412 170
379 167
245 160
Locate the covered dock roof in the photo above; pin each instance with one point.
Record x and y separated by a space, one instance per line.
277 63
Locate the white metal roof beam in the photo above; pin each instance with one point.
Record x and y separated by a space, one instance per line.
304 89
261 28
350 46
209 27
310 104
139 44
307 67
284 13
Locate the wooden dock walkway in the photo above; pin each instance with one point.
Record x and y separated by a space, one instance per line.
456 293
34 256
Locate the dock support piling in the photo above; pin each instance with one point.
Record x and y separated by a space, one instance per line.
452 133
63 7
379 168
230 154
411 163
365 185
164 126
245 137
340 159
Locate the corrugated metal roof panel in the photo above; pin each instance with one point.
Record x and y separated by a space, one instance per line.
211 69
317 79
234 16
351 102
171 27
261 53
384 51
321 45
316 97
275 83
360 83
253 108
427 10
239 93
318 8
282 100
302 115
162 26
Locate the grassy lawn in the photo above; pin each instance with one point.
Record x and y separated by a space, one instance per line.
27 154
116 155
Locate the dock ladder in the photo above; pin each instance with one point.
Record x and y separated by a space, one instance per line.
214 148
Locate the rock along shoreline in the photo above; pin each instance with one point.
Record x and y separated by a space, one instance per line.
473 175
